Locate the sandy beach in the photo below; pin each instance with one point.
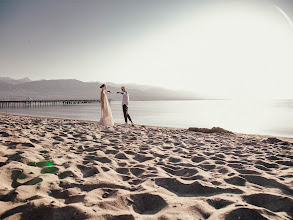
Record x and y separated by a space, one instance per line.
69 169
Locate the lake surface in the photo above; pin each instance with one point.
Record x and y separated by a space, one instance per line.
251 117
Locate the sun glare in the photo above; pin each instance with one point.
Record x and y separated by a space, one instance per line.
236 51
248 47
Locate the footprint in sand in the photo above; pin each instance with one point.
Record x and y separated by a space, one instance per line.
236 180
142 157
193 189
266 182
88 171
219 203
66 174
147 203
267 165
274 203
121 156
66 195
9 196
18 174
31 211
136 171
198 159
183 172
245 213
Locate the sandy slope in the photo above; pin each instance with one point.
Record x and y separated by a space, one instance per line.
66 169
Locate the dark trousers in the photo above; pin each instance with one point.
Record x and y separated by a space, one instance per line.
125 112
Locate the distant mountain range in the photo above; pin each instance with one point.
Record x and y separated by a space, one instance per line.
14 81
21 89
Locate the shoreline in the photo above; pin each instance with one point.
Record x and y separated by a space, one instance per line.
56 168
286 138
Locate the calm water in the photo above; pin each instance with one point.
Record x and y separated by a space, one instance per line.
270 117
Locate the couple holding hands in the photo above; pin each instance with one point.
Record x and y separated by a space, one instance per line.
106 113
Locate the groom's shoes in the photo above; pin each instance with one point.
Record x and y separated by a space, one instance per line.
127 123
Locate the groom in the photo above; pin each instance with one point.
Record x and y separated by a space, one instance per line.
125 101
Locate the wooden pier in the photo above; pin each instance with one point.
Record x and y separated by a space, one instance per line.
36 103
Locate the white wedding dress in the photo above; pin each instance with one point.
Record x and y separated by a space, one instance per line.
106 114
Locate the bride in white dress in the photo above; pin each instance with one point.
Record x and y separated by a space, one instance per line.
106 114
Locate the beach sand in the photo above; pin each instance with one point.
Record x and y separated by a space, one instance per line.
69 169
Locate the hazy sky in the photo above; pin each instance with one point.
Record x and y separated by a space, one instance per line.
218 48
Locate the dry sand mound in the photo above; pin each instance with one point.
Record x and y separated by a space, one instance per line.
66 169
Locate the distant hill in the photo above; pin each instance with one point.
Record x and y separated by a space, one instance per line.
14 81
75 89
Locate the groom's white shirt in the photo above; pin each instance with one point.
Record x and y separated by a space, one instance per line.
125 98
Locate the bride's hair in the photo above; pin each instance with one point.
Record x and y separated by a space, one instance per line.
102 85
